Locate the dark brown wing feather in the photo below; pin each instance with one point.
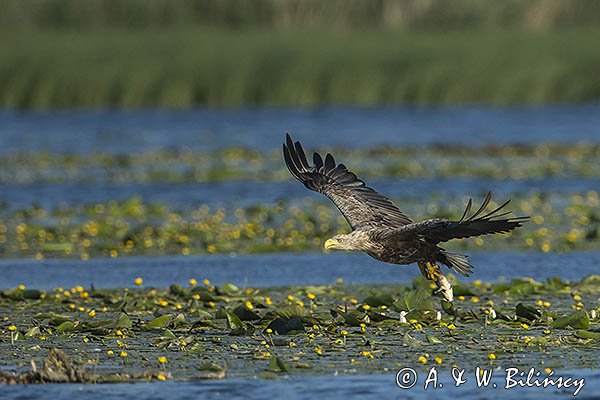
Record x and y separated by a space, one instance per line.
441 230
360 205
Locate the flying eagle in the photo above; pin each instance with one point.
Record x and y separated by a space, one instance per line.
384 232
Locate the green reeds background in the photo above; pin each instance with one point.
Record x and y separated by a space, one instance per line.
185 53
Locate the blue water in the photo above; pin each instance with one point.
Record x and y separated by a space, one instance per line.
185 196
364 387
279 269
115 131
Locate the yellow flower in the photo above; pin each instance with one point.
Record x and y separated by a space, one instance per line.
366 307
311 296
319 350
290 297
196 296
422 360
21 287
249 305
525 326
123 354
92 313
162 360
269 330
461 298
545 247
138 281
192 282
367 353
163 303
492 356
161 377
438 361
477 283
548 370
12 328
110 352
475 299
344 332
577 297
268 301
451 326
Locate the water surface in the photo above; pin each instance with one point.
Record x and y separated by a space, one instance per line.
116 131
279 269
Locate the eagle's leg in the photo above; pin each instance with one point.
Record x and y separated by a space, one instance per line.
434 273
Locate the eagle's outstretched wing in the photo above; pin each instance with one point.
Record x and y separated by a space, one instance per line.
441 230
360 205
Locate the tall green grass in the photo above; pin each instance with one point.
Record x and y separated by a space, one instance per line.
337 14
179 68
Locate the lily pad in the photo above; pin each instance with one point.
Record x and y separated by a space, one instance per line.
577 320
276 364
283 326
528 312
414 300
160 322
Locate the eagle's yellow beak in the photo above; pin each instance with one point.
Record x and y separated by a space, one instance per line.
330 244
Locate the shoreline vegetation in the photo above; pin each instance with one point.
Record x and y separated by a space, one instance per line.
187 66
182 53
202 331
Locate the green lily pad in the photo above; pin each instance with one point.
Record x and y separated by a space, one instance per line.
528 312
228 288
356 318
414 300
577 320
66 326
123 321
283 326
160 322
245 314
276 364
292 311
33 331
554 284
583 334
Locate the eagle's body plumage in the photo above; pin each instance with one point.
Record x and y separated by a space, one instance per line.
379 228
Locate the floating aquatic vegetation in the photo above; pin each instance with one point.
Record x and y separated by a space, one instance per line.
134 227
517 162
202 331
